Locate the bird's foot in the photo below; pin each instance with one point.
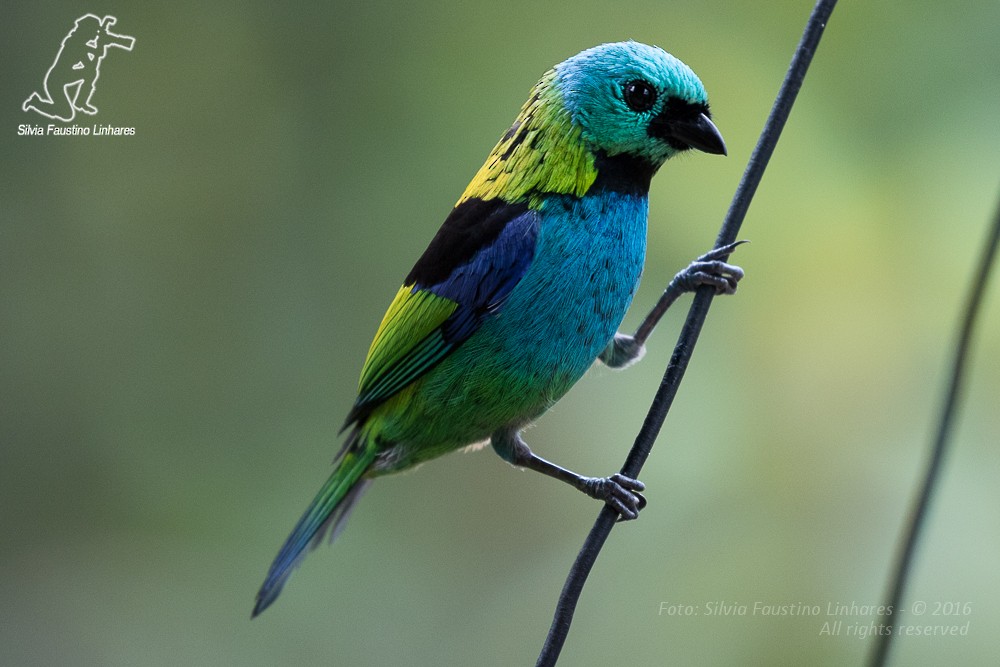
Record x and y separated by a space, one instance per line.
618 491
710 269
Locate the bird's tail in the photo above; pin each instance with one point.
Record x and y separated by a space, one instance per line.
327 514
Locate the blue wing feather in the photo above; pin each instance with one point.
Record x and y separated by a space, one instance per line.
478 285
481 286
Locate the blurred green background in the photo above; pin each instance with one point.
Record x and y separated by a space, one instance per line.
184 313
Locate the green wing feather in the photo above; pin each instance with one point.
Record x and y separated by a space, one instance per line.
463 278
408 342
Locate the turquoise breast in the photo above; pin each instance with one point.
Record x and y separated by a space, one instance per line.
559 317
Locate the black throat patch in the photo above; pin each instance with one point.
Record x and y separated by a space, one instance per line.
624 173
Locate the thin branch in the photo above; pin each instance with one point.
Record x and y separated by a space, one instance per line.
918 513
689 335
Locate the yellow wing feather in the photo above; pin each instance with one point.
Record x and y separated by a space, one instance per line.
412 316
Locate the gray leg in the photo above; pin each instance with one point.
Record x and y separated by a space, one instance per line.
709 269
618 491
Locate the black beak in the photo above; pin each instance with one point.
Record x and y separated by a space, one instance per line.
688 130
700 134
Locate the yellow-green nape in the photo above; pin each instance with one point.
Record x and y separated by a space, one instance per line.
543 152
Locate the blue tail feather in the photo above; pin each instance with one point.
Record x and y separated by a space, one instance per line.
328 513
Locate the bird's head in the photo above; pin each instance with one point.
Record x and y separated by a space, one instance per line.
638 100
630 102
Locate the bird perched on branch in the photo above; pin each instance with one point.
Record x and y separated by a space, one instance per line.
525 284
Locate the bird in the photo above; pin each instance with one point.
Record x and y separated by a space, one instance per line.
524 286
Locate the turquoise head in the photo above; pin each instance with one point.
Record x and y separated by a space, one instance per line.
630 98
635 104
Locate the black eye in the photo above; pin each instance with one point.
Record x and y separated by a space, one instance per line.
640 95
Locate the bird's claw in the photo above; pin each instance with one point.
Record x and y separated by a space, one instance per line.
711 269
618 491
